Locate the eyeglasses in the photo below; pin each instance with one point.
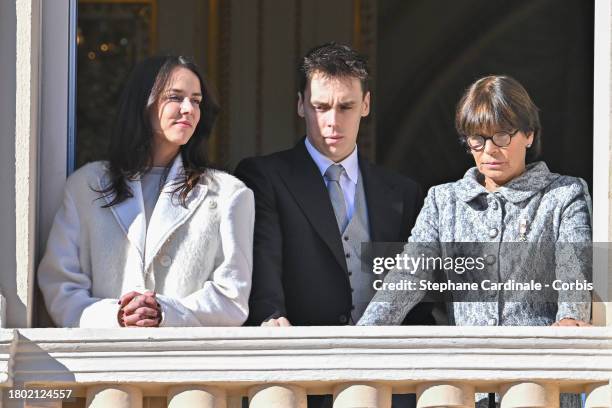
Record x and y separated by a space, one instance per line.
499 139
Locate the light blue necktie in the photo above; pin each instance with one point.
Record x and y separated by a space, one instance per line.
336 195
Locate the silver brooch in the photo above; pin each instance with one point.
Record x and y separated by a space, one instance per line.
523 230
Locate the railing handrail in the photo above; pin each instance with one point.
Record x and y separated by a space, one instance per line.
316 356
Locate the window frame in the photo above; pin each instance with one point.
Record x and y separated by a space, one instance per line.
57 114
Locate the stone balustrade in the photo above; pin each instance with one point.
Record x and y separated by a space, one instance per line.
280 367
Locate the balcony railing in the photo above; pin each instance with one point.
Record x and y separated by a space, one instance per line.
279 367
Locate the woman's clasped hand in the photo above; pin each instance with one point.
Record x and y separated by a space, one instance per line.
139 310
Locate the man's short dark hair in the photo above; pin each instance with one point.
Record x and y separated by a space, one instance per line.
336 61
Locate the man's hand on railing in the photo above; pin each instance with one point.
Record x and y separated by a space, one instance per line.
571 323
280 322
139 310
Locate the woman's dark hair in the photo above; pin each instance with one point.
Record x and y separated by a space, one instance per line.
336 61
130 149
498 103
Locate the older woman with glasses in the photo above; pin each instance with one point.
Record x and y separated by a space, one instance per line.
506 198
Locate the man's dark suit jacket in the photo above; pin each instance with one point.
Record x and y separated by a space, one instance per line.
299 267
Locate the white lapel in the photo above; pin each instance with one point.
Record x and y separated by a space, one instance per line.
130 214
168 213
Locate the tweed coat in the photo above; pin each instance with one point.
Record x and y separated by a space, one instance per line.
554 208
197 259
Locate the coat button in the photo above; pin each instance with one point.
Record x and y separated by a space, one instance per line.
492 232
165 261
212 204
492 322
490 259
494 205
342 319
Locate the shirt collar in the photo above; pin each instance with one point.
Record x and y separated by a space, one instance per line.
535 178
350 163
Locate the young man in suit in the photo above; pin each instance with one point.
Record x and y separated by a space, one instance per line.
317 202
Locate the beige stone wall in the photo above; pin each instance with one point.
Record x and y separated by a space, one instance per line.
26 149
602 165
607 320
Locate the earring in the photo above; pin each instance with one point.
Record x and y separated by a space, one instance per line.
529 145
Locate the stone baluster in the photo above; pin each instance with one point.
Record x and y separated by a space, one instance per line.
116 396
42 404
362 395
445 395
529 394
277 396
196 397
234 401
599 396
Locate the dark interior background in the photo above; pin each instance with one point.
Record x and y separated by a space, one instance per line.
429 51
423 53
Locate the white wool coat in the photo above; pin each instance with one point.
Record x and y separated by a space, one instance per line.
197 259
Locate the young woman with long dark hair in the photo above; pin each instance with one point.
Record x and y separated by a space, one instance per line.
153 236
